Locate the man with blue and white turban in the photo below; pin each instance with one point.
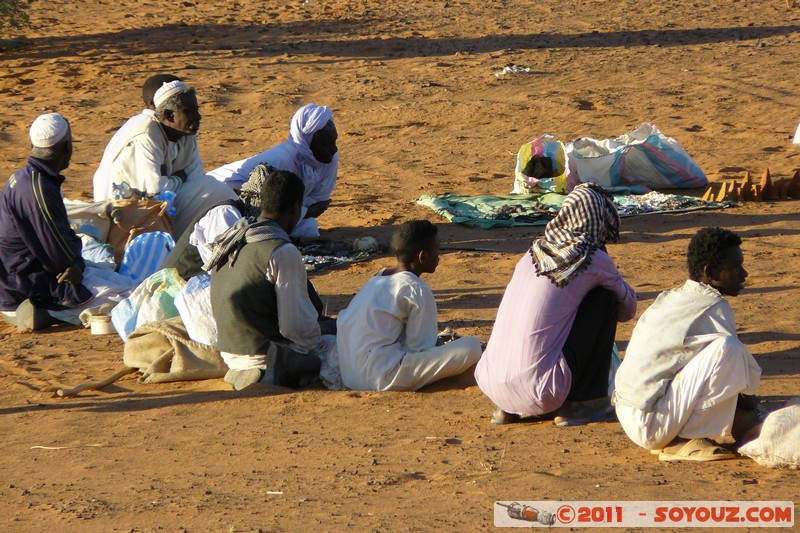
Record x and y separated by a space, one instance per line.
310 152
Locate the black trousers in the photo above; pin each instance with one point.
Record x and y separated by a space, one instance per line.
589 345
293 369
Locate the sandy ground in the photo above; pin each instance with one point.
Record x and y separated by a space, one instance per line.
419 109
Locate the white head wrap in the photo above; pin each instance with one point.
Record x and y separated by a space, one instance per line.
47 130
169 89
308 120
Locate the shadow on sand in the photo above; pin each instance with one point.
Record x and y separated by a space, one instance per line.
325 38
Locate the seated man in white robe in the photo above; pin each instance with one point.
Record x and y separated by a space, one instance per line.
157 152
310 153
387 337
686 376
186 144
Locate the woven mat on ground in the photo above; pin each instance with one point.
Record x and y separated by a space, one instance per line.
537 209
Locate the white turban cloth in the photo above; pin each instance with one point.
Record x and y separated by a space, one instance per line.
169 89
308 120
47 130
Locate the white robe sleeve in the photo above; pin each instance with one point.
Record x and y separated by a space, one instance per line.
421 327
322 189
237 173
213 224
140 165
297 317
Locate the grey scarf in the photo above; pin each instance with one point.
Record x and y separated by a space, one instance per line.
245 230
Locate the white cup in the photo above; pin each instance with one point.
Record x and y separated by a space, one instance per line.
101 325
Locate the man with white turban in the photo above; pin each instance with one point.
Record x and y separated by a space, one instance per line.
156 151
42 275
310 152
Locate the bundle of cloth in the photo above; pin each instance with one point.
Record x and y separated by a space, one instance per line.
778 444
129 236
637 162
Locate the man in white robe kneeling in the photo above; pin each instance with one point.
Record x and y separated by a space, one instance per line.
311 153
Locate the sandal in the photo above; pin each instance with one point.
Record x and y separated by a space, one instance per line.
695 450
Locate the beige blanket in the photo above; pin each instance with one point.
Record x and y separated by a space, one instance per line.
163 352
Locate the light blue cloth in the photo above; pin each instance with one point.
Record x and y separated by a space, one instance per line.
152 301
96 253
194 304
169 197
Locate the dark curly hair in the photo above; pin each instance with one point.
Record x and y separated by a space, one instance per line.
709 246
281 191
411 238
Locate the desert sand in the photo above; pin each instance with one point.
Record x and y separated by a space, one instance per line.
420 109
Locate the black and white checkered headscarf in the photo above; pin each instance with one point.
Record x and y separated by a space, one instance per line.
250 194
586 221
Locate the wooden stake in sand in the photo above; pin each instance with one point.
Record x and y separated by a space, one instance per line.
709 195
794 186
63 393
723 192
735 192
747 188
767 190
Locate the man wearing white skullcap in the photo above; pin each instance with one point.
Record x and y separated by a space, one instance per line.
49 130
41 269
156 151
186 144
310 152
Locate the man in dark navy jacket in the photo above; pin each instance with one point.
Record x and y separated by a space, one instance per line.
41 268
